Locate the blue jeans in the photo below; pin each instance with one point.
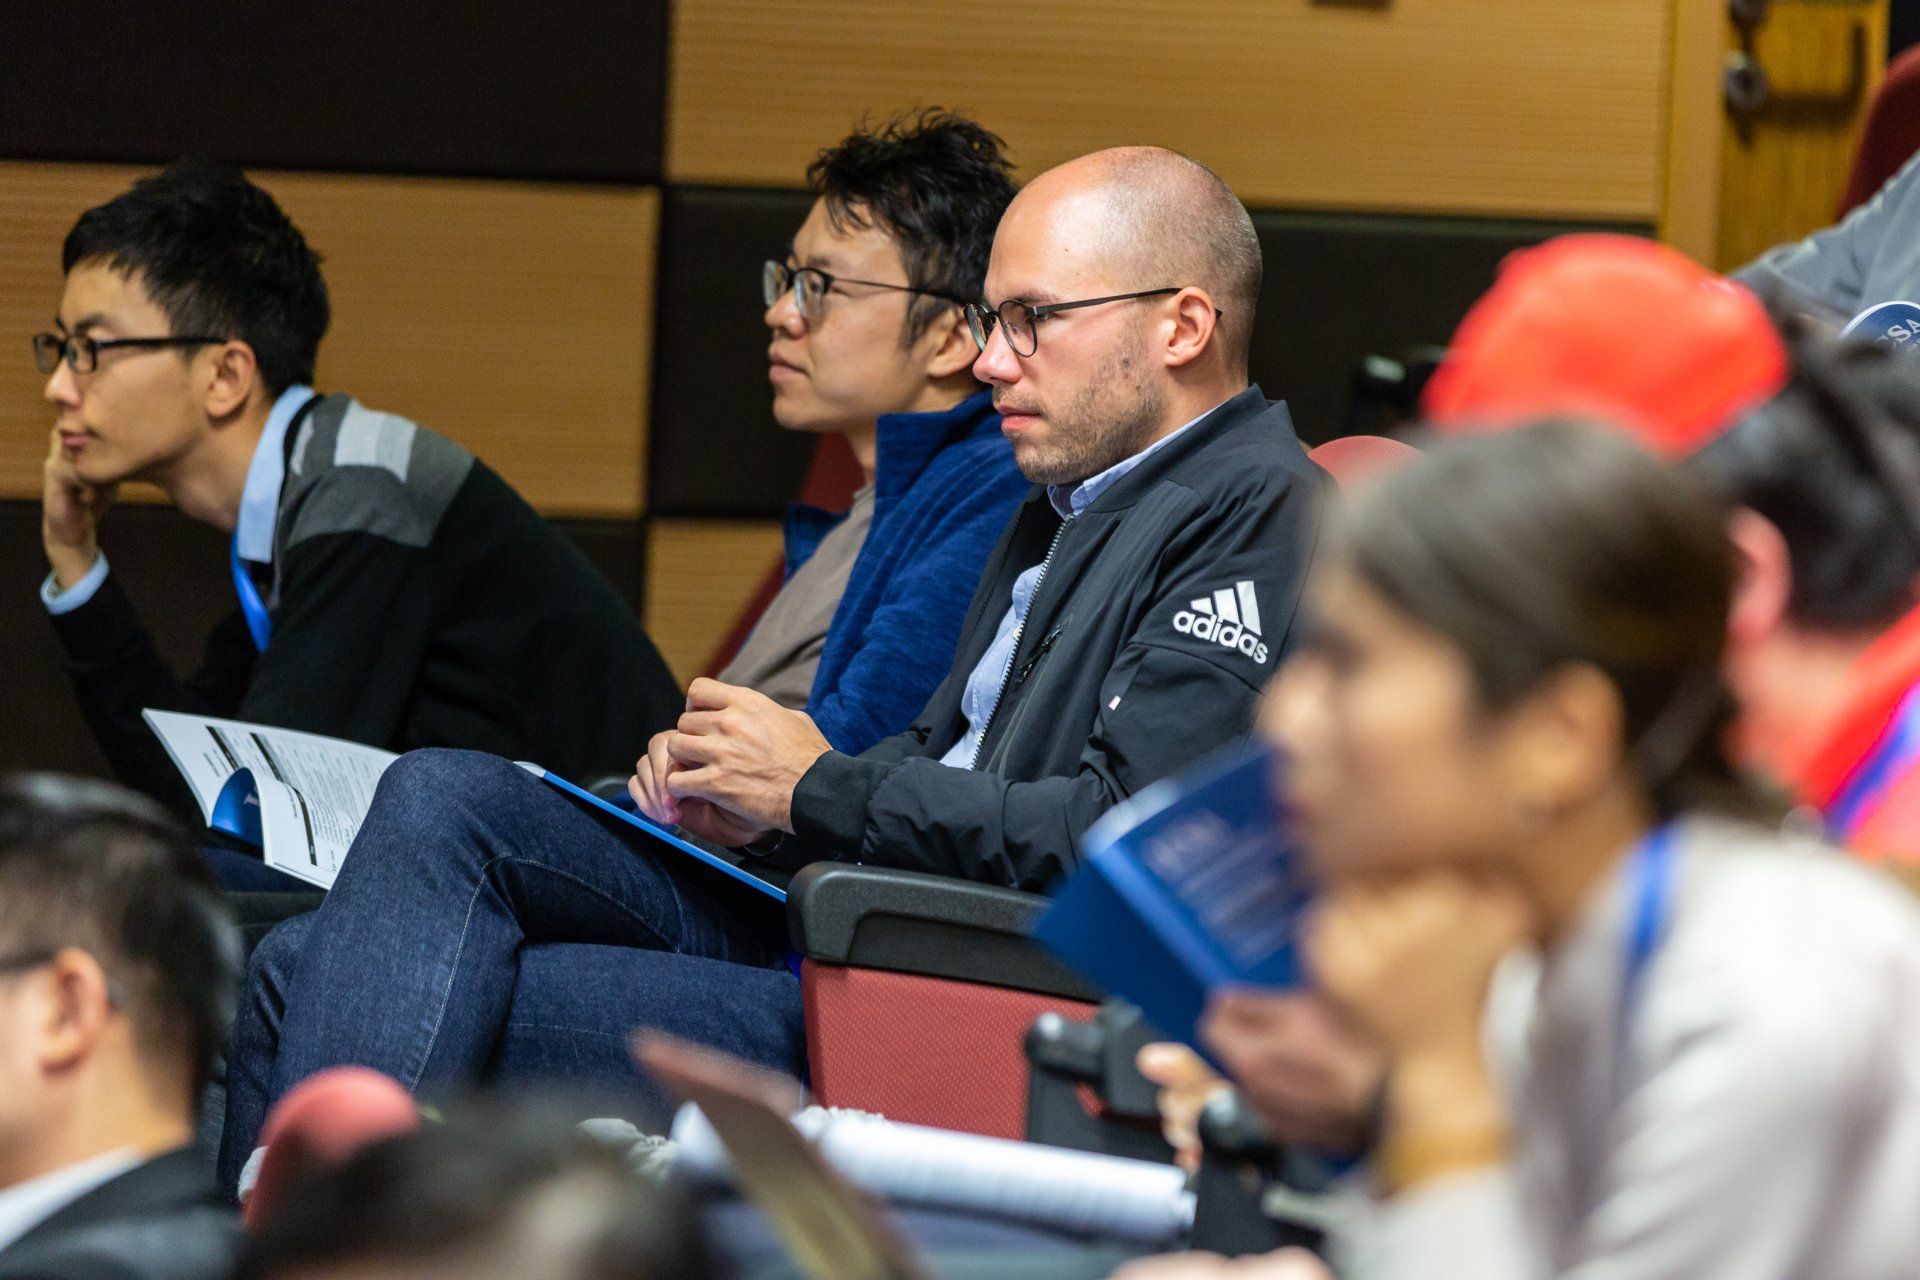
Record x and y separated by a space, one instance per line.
486 924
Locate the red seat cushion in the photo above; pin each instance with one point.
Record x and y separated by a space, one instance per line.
1353 460
923 1050
1891 134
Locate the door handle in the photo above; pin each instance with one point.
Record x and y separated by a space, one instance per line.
1749 89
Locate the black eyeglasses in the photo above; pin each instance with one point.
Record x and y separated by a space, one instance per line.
82 353
27 961
1020 321
811 285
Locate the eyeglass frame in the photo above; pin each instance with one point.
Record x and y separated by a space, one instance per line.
981 319
789 275
68 347
28 961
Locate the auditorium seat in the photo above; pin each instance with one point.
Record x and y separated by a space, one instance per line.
1353 460
1891 134
919 989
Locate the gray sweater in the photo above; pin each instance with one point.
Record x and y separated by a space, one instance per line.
1760 1121
1869 257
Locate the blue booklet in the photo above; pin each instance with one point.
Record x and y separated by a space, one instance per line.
665 835
1188 887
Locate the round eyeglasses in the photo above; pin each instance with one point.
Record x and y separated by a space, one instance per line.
811 285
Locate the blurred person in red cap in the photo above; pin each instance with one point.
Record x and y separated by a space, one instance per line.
1817 444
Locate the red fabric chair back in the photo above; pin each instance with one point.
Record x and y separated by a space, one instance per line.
923 1050
1891 134
1352 460
321 1122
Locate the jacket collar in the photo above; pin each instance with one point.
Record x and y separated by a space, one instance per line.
1817 763
174 1180
906 442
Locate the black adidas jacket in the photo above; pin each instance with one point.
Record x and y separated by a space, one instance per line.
1130 665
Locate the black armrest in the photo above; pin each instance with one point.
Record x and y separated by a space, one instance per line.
935 926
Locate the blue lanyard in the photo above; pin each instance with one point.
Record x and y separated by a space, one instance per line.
1653 864
1897 748
255 609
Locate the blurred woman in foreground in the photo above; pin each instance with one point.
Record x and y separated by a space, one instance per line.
1506 732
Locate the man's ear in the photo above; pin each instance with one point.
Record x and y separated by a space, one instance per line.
949 346
1763 579
231 379
76 1004
1195 322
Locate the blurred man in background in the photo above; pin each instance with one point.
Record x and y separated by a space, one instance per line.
492 1195
116 983
1818 447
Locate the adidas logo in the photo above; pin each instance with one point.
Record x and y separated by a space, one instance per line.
1229 618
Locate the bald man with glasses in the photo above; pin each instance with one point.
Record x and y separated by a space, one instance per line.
1124 625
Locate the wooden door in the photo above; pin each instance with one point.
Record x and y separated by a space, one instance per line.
1767 102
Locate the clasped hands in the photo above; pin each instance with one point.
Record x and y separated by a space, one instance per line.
727 771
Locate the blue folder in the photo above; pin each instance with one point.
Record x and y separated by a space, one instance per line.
663 835
1186 888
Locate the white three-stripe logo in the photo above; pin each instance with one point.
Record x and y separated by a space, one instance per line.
1237 605
1230 617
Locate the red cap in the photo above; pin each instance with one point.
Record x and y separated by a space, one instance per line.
1615 327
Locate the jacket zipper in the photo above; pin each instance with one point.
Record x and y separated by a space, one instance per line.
1019 630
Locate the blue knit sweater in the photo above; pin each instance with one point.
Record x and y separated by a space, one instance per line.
945 487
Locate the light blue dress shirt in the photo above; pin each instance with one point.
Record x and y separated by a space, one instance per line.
989 677
259 506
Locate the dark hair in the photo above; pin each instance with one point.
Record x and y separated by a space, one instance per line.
1825 461
477 1187
219 257
89 865
1563 543
934 181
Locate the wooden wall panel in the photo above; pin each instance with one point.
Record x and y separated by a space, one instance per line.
514 318
699 574
1474 106
38 204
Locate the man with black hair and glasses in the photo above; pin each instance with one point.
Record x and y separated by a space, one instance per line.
390 588
117 968
556 908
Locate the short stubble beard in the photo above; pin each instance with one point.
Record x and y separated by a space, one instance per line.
1109 419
